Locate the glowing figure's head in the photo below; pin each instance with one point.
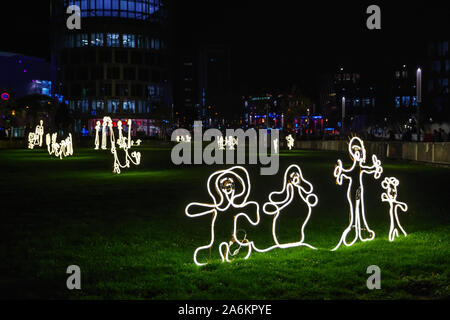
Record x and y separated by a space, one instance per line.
229 187
357 150
390 185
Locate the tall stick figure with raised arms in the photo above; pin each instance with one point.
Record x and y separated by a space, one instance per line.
355 190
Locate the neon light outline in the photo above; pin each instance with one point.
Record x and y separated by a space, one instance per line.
357 153
390 184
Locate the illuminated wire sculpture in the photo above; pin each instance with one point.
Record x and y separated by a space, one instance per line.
275 146
390 184
36 138
186 138
355 190
59 150
124 143
97 135
230 142
224 189
294 182
290 141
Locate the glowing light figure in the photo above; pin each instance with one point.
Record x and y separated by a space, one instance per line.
60 150
36 138
275 146
294 182
226 196
187 139
97 135
230 142
355 191
290 141
124 143
390 195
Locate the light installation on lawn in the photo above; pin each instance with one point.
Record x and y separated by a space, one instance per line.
228 189
97 135
60 150
230 142
124 143
390 184
275 146
290 141
186 138
36 138
293 182
355 190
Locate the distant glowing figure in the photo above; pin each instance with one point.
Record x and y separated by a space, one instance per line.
275 146
230 142
187 139
124 143
36 138
290 141
293 183
355 191
228 189
97 135
390 185
60 150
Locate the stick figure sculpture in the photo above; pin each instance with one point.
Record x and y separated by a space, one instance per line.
390 185
35 138
355 190
290 141
293 183
228 189
97 136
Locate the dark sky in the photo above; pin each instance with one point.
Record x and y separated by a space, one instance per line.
273 42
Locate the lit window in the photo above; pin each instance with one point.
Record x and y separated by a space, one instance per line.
112 40
97 39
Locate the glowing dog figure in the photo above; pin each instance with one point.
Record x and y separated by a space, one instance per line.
390 196
355 191
294 182
35 138
290 141
60 150
225 183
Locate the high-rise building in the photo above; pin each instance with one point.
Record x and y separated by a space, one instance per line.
117 64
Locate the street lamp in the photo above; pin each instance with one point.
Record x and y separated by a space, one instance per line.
419 100
343 113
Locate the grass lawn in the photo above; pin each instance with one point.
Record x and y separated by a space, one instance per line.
132 240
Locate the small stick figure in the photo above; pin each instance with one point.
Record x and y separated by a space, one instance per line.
390 195
290 142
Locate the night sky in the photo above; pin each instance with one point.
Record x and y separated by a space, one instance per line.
274 43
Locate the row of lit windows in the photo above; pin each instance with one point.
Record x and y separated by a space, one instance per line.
363 102
110 106
405 101
114 73
152 92
114 40
131 9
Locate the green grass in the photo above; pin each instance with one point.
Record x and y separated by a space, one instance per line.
132 240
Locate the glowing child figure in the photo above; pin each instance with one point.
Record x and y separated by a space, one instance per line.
390 196
294 182
228 189
355 191
290 141
275 146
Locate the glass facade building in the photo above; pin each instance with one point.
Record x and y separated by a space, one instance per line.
117 64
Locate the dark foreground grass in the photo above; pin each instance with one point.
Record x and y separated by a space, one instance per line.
132 240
